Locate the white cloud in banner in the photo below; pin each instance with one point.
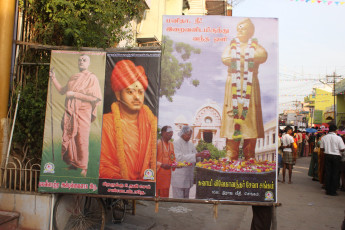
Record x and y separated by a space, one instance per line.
181 105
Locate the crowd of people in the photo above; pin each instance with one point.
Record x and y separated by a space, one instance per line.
326 149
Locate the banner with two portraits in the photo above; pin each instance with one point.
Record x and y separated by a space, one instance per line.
196 120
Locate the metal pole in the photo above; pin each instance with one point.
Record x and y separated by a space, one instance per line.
14 122
14 46
7 16
51 117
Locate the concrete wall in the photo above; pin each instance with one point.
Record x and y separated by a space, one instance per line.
35 210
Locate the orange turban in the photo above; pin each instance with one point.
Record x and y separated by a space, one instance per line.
125 73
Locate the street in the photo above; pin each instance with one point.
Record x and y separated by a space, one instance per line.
304 206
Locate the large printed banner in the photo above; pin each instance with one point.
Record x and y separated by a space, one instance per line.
73 123
220 90
101 123
216 132
129 133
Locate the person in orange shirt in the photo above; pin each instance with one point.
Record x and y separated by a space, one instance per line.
129 132
165 156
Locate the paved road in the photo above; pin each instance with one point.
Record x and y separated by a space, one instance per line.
304 206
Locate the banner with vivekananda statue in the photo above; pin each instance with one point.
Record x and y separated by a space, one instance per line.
218 109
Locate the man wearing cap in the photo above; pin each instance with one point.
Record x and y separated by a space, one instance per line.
129 130
83 95
165 157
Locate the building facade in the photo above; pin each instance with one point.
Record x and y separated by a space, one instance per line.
266 147
148 31
206 125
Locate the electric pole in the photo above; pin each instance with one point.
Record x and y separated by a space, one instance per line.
334 76
296 104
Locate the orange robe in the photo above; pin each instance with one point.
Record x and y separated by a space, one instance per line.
129 157
165 155
80 111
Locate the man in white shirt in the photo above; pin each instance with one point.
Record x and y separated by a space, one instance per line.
288 159
332 145
182 178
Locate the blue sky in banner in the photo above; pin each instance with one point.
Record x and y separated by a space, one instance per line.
311 41
211 72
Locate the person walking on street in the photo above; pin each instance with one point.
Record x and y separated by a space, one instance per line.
294 148
303 145
342 170
306 145
280 152
314 165
299 142
311 143
287 141
321 161
332 145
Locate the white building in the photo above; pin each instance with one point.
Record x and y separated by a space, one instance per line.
266 147
206 125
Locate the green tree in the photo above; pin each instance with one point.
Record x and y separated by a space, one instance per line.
89 23
28 135
175 70
215 153
77 23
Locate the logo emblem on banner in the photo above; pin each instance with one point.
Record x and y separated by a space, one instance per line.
49 168
149 174
269 196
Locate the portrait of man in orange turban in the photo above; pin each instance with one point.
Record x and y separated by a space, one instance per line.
128 148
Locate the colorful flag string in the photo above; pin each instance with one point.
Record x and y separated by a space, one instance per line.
325 2
324 94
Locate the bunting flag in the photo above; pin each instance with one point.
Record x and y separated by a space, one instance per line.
299 80
324 94
321 94
324 2
292 103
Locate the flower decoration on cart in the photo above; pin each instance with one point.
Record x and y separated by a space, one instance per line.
224 165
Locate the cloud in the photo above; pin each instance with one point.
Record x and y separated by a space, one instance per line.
181 105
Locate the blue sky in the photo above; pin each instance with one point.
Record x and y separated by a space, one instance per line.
211 72
311 42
